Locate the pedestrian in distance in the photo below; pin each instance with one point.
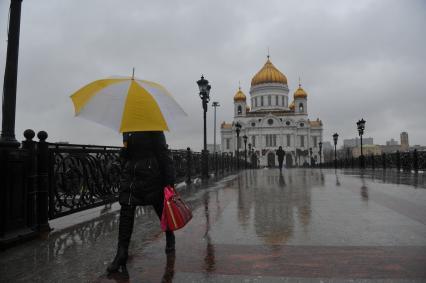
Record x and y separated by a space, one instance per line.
148 168
280 154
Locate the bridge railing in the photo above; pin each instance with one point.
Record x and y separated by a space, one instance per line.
406 161
43 181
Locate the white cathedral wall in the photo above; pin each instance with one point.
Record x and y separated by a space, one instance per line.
281 134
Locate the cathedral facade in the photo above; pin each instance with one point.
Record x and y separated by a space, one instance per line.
273 121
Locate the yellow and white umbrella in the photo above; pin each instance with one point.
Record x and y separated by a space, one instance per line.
127 105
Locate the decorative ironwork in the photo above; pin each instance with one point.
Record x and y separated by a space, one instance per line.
82 177
406 161
180 161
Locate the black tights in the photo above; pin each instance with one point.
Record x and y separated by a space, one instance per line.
127 219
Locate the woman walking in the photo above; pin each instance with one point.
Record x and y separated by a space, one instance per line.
148 169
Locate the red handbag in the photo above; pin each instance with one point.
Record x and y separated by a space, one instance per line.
175 212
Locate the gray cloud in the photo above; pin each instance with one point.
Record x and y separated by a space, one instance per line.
356 59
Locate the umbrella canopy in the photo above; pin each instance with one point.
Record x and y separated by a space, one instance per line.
127 105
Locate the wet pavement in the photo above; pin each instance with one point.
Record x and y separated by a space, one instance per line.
302 225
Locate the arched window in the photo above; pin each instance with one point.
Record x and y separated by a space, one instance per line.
240 110
301 107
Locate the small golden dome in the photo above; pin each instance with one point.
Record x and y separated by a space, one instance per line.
268 74
292 106
239 96
300 93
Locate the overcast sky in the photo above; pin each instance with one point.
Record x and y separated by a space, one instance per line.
356 59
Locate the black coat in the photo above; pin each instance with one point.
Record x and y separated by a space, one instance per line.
280 154
148 168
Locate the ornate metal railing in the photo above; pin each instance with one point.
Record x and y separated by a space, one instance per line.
45 180
83 176
406 161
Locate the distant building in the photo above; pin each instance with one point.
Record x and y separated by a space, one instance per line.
417 147
274 118
328 151
327 146
391 142
368 149
357 142
390 148
210 148
404 141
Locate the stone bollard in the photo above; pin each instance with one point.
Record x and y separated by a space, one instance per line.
188 165
43 184
29 145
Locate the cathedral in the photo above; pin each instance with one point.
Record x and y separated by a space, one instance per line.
271 121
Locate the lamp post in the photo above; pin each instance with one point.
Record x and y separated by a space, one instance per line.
204 87
237 130
361 126
250 154
7 138
335 137
320 152
245 150
215 104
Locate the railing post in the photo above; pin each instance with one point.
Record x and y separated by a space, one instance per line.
32 180
188 165
415 161
222 163
384 160
43 183
398 160
216 169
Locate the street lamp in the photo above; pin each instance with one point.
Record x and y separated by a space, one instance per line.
214 104
204 87
245 150
238 129
335 137
361 126
7 137
320 152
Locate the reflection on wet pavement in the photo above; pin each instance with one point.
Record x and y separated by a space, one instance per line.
260 226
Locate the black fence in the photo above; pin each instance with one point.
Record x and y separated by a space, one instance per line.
42 181
406 161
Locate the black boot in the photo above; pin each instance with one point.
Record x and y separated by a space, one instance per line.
170 242
125 229
120 260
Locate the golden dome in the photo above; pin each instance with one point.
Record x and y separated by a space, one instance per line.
239 96
292 106
268 74
300 93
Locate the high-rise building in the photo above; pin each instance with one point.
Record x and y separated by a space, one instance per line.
404 141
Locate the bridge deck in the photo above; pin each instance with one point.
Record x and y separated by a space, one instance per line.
302 225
